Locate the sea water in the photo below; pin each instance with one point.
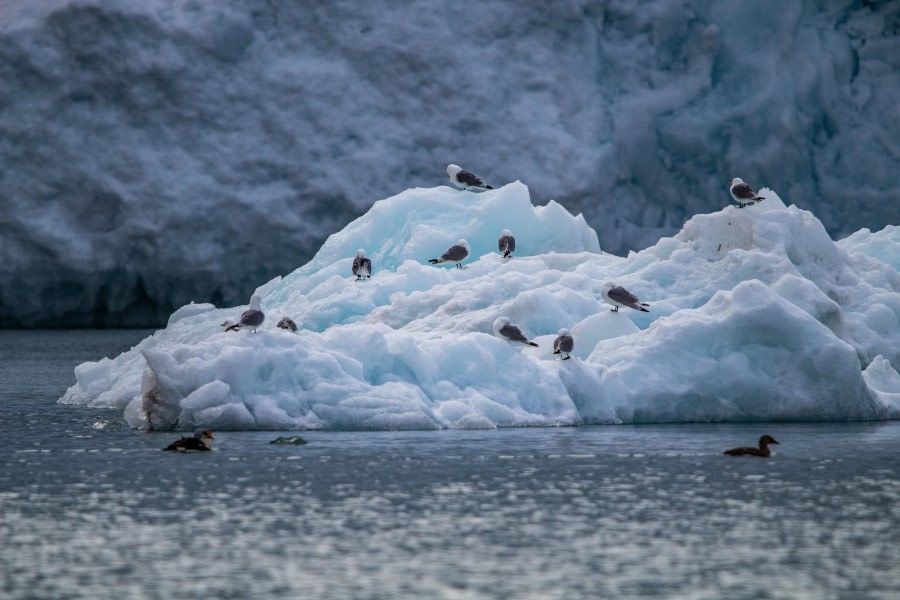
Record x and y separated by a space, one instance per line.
92 509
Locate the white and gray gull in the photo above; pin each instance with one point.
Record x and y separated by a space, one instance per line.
619 296
456 253
506 330
253 317
466 180
362 266
506 243
742 193
564 344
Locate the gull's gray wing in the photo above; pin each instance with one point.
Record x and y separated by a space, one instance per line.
252 318
623 296
455 254
512 332
743 192
469 179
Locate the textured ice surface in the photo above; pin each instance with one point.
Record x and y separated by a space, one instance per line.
149 147
756 314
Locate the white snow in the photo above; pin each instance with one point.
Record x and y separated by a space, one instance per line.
756 314
149 146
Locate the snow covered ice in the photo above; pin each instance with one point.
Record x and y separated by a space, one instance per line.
756 314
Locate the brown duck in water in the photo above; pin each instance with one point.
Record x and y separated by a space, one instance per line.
200 442
763 449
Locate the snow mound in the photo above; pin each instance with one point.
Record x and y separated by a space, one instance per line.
756 314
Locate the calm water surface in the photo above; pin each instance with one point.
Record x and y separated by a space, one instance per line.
92 509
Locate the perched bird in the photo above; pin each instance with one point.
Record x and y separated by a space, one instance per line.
503 328
230 325
563 344
506 243
362 266
465 180
287 324
742 193
200 442
253 317
763 449
619 296
454 254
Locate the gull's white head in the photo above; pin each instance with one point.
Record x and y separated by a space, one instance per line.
607 286
506 232
360 253
464 244
564 331
499 322
736 180
452 170
255 302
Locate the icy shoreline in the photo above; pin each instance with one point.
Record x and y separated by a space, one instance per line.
756 314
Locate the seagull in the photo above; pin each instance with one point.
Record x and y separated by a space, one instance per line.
230 325
465 180
454 254
362 266
619 296
763 449
742 193
287 324
506 243
564 344
253 316
200 442
503 328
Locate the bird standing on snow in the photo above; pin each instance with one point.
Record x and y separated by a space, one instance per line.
465 180
362 266
230 325
619 296
506 243
503 328
763 449
287 324
564 344
253 317
454 254
742 193
200 442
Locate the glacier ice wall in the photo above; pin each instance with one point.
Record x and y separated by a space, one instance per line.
162 151
756 314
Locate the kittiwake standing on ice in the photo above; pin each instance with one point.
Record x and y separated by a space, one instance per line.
564 344
506 243
230 325
619 296
503 328
466 180
742 193
362 266
454 254
253 317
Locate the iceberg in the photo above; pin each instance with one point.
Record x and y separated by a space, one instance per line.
755 314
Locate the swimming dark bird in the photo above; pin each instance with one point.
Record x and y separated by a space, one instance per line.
465 180
506 243
763 449
619 296
287 324
454 254
362 266
200 442
742 193
564 344
503 328
253 317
